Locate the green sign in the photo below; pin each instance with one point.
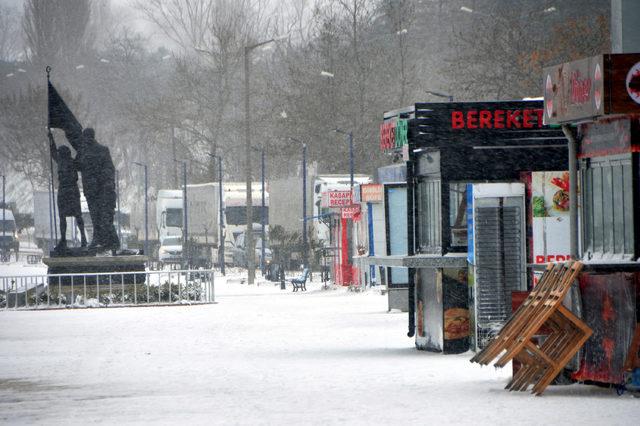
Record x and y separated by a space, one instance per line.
402 128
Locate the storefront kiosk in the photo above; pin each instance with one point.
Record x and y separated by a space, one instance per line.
460 287
601 96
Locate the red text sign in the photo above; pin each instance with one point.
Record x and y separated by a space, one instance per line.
336 198
496 119
351 212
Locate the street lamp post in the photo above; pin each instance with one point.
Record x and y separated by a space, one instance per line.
4 207
305 251
221 214
250 251
185 245
118 206
146 207
185 215
262 216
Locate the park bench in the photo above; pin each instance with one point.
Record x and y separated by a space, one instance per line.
300 282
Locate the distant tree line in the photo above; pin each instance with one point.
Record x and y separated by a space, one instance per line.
340 64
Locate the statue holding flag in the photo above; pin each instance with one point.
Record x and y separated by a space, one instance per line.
94 162
68 192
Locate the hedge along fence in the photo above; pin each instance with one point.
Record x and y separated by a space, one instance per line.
107 289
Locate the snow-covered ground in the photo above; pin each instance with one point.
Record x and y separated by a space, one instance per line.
262 356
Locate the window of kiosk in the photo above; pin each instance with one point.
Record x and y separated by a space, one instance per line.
396 211
429 216
458 216
607 200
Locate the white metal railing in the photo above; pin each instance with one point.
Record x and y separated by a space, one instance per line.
105 289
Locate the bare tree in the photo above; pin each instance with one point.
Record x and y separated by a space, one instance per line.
499 52
212 36
9 33
57 32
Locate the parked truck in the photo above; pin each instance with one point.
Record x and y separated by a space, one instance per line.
235 203
203 220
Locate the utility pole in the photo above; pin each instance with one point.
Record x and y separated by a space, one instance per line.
262 218
118 206
146 208
4 208
185 244
305 244
173 155
221 214
250 251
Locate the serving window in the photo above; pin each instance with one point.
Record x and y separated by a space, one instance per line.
458 215
429 216
607 200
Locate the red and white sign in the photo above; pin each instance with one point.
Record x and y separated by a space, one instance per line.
334 199
371 193
351 212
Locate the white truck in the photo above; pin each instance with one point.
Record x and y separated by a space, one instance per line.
235 203
203 219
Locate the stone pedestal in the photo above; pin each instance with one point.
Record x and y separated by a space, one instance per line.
85 268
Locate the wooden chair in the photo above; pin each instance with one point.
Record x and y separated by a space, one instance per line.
542 309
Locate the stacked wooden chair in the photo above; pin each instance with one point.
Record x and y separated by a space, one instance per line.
542 310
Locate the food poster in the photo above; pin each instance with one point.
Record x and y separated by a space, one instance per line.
455 310
550 205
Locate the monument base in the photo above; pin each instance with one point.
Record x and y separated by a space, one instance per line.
85 268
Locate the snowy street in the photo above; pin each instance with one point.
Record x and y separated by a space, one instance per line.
262 356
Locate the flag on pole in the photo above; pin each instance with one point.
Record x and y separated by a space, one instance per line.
60 116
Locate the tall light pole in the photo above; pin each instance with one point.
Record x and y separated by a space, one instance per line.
305 252
262 218
350 135
4 209
262 215
118 206
221 215
185 214
146 208
250 251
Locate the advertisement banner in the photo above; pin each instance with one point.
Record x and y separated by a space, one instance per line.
550 204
